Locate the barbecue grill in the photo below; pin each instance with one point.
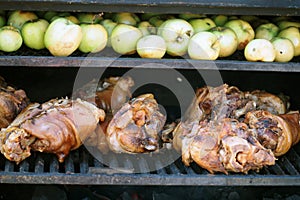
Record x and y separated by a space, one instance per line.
55 77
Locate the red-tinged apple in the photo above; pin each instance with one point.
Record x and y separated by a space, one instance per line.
292 33
284 24
10 39
260 50
124 38
228 40
126 18
62 37
284 49
176 33
220 20
33 33
243 31
94 38
202 24
151 46
17 18
109 25
204 46
147 28
266 31
89 18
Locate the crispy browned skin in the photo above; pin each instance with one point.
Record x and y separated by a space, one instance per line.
109 94
275 132
12 102
57 126
213 135
135 127
226 146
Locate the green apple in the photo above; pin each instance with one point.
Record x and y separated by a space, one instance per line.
176 33
49 15
259 22
243 31
249 18
109 25
202 24
266 31
292 33
151 46
89 18
284 49
227 39
260 50
17 18
159 19
147 28
94 38
204 46
62 37
2 21
124 38
281 18
10 39
220 20
126 18
284 24
188 16
71 18
33 33
147 16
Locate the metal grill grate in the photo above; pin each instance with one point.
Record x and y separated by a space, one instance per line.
81 167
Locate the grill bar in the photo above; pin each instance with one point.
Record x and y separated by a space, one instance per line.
80 167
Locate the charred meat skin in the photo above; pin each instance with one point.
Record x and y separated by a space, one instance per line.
12 102
276 132
226 146
108 94
57 126
135 127
213 130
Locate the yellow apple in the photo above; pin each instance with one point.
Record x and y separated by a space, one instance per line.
94 38
284 49
204 46
243 31
260 50
151 46
292 33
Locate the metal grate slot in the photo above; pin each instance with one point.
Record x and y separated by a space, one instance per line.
276 169
9 166
143 165
128 164
294 158
53 165
24 166
287 166
39 164
84 164
161 170
69 165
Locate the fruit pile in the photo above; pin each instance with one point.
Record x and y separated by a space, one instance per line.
152 35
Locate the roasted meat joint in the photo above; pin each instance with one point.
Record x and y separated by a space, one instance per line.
224 130
228 130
